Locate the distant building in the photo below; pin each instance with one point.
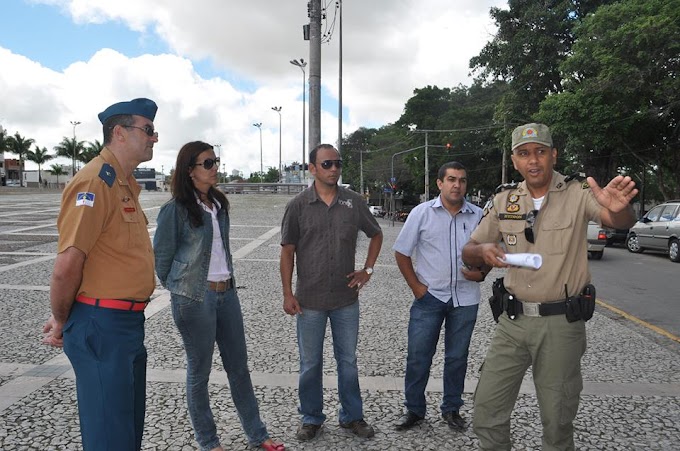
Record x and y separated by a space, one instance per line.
146 177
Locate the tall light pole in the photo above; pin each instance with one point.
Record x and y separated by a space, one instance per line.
278 110
302 64
259 126
73 167
219 155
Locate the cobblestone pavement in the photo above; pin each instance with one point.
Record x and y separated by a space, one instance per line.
632 378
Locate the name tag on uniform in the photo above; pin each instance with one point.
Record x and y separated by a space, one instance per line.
86 199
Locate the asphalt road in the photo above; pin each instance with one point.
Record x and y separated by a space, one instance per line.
642 285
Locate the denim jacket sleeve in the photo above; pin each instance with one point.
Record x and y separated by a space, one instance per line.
166 239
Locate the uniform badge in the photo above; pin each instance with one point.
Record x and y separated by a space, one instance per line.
511 240
85 199
559 185
585 185
513 198
512 208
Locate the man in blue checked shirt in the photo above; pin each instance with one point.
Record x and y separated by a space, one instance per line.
445 292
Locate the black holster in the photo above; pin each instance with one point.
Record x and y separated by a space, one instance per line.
581 306
496 300
502 301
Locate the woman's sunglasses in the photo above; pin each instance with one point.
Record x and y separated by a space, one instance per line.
208 163
326 164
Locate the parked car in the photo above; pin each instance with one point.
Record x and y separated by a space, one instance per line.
377 211
616 236
597 240
659 230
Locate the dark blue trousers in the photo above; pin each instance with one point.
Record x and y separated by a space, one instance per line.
106 349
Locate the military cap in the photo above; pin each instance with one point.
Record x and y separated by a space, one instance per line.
531 133
139 107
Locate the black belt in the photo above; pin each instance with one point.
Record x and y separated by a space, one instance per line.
537 309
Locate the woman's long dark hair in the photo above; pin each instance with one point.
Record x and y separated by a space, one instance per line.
182 187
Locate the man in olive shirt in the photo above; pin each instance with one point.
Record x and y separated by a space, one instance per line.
103 277
546 214
320 226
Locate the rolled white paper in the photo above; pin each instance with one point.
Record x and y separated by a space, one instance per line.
533 261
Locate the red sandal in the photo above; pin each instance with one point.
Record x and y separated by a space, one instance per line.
273 446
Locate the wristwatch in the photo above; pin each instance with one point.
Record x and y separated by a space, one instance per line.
368 270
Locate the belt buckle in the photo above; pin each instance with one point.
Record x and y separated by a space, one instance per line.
531 309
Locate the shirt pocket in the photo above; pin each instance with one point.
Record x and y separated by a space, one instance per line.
512 231
132 224
557 231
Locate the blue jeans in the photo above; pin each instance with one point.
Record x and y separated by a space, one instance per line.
427 316
106 348
311 328
217 318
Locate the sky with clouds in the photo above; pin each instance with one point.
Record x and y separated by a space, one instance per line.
215 67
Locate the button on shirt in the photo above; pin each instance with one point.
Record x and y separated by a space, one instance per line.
437 238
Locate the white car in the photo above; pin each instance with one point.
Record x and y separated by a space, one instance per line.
597 240
377 210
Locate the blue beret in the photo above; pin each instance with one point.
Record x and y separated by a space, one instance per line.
140 107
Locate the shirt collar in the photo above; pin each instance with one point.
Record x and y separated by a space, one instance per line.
437 203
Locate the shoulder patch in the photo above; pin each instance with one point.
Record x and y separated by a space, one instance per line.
108 174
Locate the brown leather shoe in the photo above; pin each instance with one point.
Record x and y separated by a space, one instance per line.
454 420
407 421
359 428
307 431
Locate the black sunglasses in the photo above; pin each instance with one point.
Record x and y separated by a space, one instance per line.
149 130
208 163
529 230
326 164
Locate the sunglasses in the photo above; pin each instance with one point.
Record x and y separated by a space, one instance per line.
208 163
149 130
529 230
327 164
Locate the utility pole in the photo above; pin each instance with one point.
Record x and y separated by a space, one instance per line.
73 168
302 64
340 80
314 73
278 110
427 173
259 126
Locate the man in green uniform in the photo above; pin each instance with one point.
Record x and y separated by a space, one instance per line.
546 214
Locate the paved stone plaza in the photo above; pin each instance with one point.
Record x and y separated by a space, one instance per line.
631 398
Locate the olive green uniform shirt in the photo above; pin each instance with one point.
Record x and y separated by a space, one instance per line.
560 237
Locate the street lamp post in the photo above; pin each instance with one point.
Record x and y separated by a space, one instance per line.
302 64
73 167
219 156
259 126
278 110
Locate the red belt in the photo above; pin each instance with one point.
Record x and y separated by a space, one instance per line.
118 304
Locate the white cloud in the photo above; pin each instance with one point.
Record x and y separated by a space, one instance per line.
389 49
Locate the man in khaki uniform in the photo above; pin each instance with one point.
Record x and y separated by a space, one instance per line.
546 214
103 277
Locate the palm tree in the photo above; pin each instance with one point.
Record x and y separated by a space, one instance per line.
57 169
19 145
70 148
40 156
91 151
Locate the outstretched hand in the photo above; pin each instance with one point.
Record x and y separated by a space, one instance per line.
616 196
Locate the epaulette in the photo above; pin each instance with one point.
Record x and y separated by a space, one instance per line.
579 177
108 174
506 186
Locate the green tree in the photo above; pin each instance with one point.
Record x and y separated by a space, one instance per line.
40 157
92 149
272 176
620 109
20 146
57 169
70 148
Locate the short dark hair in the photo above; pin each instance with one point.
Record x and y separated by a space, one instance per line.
110 123
450 165
312 154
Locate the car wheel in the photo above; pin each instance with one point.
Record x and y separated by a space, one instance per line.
597 255
674 250
633 244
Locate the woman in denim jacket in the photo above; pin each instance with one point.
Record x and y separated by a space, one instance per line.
194 263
